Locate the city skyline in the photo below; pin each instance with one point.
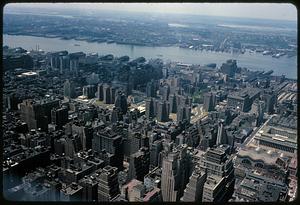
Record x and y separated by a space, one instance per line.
102 106
271 11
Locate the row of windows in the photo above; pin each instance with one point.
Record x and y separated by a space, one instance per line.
277 146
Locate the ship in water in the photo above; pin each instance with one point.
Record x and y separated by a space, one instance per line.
76 44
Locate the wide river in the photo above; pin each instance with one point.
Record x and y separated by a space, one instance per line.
253 61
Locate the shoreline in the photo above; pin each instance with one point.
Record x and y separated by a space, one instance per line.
100 41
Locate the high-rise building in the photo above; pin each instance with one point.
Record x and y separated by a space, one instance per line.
155 149
90 188
37 114
162 112
258 108
108 187
69 89
113 93
175 174
89 91
111 143
121 102
229 68
183 113
270 100
139 164
64 63
54 60
100 92
71 193
136 141
107 94
213 190
220 181
150 113
74 66
166 92
59 116
150 89
243 100
221 136
208 102
173 103
194 189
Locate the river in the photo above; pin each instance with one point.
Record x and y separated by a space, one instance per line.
253 61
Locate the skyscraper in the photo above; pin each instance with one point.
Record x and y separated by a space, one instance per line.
208 102
37 114
89 91
59 116
69 89
174 174
106 94
173 103
100 92
194 189
183 113
270 100
150 89
150 108
121 102
108 187
221 136
155 149
162 112
139 164
218 165
110 142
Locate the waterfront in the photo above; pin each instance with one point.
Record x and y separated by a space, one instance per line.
254 61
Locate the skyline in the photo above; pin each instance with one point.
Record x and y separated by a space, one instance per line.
271 11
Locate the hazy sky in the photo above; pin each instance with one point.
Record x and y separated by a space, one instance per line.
249 10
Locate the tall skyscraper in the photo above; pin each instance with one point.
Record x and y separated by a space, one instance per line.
74 66
150 108
139 164
175 174
89 91
162 112
194 189
69 89
107 94
208 102
64 63
110 142
155 149
258 108
121 102
173 103
59 116
183 113
218 165
270 100
100 91
108 187
113 93
166 92
37 114
150 89
221 136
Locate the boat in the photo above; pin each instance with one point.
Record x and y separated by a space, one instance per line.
76 44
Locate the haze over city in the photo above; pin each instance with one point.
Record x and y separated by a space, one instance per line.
282 11
150 102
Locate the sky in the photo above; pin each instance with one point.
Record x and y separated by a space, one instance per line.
278 11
